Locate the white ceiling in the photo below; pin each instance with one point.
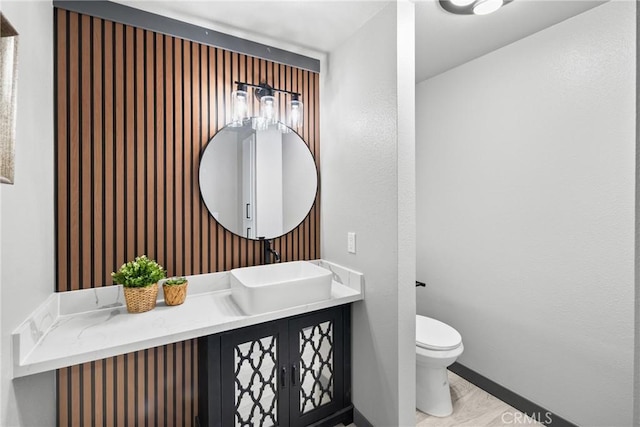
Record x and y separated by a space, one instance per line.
313 27
445 40
302 26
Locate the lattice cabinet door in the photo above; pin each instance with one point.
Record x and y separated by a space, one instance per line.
255 376
316 354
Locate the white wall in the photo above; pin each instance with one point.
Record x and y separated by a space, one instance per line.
367 121
526 213
27 213
406 146
636 378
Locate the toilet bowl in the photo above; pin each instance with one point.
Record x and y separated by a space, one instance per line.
438 345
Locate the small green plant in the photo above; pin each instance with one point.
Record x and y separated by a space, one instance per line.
175 281
139 273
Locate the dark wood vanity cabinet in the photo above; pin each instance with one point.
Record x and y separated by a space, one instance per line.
289 372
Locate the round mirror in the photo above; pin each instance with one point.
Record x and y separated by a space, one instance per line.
258 183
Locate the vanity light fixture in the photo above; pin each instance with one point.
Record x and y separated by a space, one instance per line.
268 106
472 7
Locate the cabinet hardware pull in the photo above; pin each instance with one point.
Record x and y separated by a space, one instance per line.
283 377
293 374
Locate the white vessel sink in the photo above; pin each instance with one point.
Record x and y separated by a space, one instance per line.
278 286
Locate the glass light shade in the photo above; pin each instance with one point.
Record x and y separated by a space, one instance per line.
269 109
296 113
461 3
485 7
239 107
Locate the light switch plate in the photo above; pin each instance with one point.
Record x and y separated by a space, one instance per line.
351 242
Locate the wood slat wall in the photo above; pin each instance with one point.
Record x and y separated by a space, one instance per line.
134 110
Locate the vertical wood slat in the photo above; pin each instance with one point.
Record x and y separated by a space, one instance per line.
130 146
150 401
119 207
178 145
62 145
141 143
109 393
108 150
134 110
130 388
316 150
97 127
88 394
160 390
197 129
168 171
62 396
85 146
159 165
187 231
72 226
281 78
298 232
140 382
221 235
151 141
97 413
120 400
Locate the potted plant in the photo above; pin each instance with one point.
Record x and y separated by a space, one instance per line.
140 281
175 290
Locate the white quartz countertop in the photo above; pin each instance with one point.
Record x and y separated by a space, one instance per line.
81 326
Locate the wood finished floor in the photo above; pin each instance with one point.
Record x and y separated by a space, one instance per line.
473 407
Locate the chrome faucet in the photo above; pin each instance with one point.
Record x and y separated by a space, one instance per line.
268 252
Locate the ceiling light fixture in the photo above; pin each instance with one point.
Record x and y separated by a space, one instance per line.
462 3
485 7
472 7
268 106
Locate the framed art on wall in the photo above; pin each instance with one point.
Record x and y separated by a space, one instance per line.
8 89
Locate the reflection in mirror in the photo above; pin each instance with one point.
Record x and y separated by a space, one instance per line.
258 183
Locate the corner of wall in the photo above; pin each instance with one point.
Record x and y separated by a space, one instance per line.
406 210
26 212
367 126
636 352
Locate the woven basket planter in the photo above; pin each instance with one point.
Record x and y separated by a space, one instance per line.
175 294
140 300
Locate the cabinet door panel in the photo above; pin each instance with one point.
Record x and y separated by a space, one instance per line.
255 376
316 354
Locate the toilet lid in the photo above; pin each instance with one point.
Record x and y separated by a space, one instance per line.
435 335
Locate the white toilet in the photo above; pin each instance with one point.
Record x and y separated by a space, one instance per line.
438 345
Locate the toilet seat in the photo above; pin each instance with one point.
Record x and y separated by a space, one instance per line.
431 334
